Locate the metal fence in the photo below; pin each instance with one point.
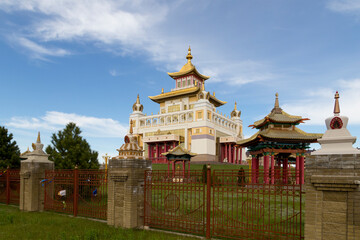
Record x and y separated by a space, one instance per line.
234 204
77 192
10 186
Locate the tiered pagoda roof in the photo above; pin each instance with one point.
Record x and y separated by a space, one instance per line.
186 70
279 128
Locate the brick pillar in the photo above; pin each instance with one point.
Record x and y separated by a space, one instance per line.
32 171
126 192
332 203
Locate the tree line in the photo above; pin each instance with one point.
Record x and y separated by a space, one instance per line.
67 150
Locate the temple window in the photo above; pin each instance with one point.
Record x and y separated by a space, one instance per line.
178 83
188 82
174 108
199 115
184 83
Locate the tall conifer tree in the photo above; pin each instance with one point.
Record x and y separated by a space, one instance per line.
70 149
9 151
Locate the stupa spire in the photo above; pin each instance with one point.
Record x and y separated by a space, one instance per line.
38 138
138 99
235 106
337 105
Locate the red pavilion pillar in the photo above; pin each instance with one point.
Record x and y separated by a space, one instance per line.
285 169
183 165
302 167
266 167
297 172
157 152
253 167
272 169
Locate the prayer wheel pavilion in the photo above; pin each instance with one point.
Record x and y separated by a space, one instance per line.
277 138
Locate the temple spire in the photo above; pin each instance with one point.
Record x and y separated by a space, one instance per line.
276 108
138 99
337 105
38 138
131 127
189 56
235 106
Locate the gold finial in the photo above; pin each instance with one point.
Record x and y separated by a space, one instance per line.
214 94
38 138
162 90
189 56
203 86
276 100
337 105
235 105
131 126
138 99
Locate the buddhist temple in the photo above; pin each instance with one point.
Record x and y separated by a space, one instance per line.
188 116
277 138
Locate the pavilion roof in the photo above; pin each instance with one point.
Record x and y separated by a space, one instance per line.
280 135
178 151
277 115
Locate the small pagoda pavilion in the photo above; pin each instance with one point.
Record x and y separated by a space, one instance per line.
179 157
277 138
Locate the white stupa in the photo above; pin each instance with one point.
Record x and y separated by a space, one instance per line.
337 139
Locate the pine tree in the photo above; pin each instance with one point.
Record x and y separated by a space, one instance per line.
70 149
9 151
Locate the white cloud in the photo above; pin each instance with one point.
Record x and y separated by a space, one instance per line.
346 6
38 51
318 104
53 121
129 27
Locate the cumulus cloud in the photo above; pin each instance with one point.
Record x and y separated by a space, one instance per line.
318 104
53 121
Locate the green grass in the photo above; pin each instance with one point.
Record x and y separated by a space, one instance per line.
161 166
15 224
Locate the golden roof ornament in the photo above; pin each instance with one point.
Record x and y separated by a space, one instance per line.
337 105
131 126
235 106
162 90
276 108
189 56
137 106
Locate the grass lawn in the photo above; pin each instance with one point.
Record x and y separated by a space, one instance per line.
162 166
15 224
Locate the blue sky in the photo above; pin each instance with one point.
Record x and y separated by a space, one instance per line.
85 61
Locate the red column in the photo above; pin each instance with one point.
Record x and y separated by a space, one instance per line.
230 157
237 155
157 152
302 168
168 168
225 150
266 168
188 169
272 169
297 172
241 155
285 174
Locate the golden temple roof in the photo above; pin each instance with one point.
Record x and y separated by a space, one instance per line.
185 91
188 68
163 96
